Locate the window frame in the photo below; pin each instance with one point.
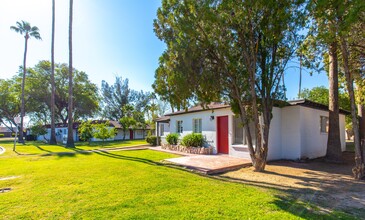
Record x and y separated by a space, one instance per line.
199 127
179 126
235 124
323 130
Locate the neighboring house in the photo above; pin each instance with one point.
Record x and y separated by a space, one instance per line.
299 129
131 134
61 131
6 131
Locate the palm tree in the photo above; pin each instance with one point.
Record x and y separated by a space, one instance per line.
70 138
53 128
24 28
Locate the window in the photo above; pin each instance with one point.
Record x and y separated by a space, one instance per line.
238 131
162 129
324 124
197 125
179 127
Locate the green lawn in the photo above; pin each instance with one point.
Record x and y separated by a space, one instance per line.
38 147
128 185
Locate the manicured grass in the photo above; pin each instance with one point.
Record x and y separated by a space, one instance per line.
38 147
129 185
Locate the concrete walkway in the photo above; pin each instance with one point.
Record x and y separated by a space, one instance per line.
210 164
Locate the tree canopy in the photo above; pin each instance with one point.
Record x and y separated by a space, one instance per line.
234 51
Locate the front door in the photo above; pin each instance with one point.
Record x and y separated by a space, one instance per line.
222 134
131 134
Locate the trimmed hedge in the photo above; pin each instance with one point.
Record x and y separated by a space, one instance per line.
152 139
2 135
193 140
172 138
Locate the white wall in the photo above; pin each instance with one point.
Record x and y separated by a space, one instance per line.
59 134
275 142
294 132
120 135
313 141
208 125
290 132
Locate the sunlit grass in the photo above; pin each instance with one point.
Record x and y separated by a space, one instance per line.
127 185
38 147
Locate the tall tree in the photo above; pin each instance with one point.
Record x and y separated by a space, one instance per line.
9 103
25 28
70 138
53 87
243 45
85 94
323 36
348 14
114 98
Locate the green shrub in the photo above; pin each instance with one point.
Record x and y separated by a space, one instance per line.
193 140
151 139
172 138
2 135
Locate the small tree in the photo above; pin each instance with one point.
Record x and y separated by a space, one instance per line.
102 131
86 131
127 122
38 130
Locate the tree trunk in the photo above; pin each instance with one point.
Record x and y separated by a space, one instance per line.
334 152
358 170
22 107
53 140
70 139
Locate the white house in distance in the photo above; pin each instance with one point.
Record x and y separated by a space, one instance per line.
298 130
131 133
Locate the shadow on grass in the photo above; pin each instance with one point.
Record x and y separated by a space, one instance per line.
299 202
302 202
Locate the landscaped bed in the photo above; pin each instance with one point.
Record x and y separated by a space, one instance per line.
129 185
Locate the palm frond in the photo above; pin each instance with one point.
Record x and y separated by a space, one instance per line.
16 29
36 35
34 29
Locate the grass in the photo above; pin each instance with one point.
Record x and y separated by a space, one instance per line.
38 147
129 185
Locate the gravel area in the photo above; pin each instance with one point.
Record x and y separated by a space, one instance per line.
327 185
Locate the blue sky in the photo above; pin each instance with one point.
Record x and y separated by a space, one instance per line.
111 37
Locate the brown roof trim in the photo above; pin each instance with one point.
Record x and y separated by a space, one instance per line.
314 105
165 119
200 108
280 104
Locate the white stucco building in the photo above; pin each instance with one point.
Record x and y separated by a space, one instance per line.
297 130
130 134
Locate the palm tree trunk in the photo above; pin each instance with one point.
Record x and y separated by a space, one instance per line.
53 127
22 107
334 152
70 139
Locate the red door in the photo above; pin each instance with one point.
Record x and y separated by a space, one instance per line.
131 134
222 134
